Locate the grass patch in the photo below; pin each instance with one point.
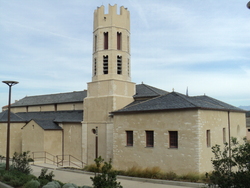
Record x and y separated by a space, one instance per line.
156 173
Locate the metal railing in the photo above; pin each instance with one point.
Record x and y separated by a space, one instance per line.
58 160
69 160
46 156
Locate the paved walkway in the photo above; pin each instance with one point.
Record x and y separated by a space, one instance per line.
83 178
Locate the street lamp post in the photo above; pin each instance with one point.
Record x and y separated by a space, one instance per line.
10 84
95 131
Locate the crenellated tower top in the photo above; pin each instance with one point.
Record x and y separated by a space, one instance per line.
121 20
111 44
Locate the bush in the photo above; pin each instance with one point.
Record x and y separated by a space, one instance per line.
44 175
231 165
20 162
32 184
70 185
55 183
104 177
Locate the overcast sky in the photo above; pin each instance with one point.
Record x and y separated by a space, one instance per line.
46 45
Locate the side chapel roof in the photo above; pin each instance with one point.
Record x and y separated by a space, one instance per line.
174 101
48 120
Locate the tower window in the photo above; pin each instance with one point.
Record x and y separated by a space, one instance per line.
128 43
150 138
95 68
128 68
173 139
105 64
95 44
119 41
119 64
106 40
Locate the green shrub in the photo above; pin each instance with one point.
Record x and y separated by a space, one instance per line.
55 184
70 185
231 165
20 162
48 186
104 177
16 182
7 177
43 175
32 184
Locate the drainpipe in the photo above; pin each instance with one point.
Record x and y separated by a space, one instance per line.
229 142
62 143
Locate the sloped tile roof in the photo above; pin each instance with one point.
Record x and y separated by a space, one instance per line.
57 116
47 124
13 117
76 96
47 120
143 90
174 101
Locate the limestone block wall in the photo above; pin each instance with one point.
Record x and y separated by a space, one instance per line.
218 122
15 138
105 141
181 160
32 137
72 139
53 142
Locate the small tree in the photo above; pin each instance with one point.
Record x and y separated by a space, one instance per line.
20 162
105 177
231 165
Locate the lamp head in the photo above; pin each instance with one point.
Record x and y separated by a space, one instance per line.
248 5
10 83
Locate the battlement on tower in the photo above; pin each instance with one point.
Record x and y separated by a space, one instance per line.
121 20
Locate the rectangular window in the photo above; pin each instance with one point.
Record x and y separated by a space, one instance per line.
119 41
173 139
150 138
130 138
208 138
224 135
106 40
128 43
119 64
105 64
95 47
95 68
128 67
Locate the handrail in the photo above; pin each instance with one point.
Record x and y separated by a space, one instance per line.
70 160
60 159
45 157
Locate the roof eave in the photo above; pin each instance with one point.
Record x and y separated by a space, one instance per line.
176 109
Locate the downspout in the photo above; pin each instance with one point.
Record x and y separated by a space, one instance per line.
62 143
229 142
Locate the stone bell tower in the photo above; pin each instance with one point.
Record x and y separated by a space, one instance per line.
111 88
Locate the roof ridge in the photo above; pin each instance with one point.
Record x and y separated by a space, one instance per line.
150 87
128 106
185 97
55 94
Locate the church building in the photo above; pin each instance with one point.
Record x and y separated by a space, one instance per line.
133 124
